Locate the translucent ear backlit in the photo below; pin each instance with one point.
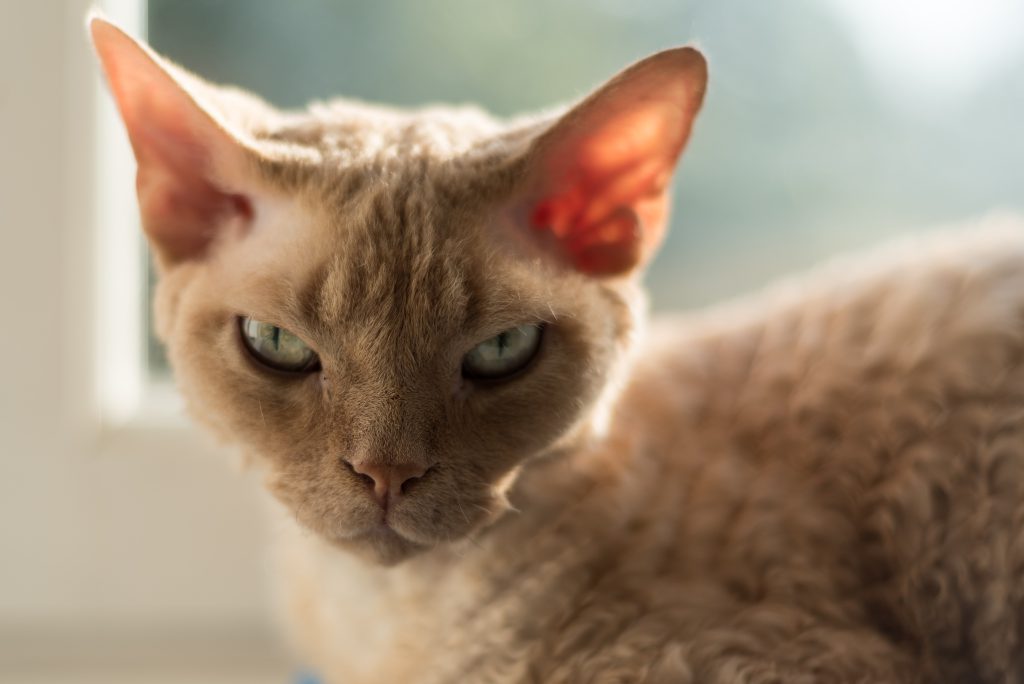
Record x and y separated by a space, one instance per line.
600 176
190 166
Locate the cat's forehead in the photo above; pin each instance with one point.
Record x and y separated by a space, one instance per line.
396 225
390 250
347 135
396 259
342 151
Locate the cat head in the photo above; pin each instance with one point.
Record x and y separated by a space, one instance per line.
393 311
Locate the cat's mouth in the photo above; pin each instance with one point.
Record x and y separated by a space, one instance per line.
437 514
385 527
399 533
382 543
385 540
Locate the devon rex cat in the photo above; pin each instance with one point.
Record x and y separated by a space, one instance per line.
427 327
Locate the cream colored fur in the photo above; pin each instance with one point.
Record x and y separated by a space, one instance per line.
824 483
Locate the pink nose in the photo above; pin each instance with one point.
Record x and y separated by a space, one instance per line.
388 480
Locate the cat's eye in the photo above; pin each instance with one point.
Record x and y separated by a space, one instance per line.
504 354
276 348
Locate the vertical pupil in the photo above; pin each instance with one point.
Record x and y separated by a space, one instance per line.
502 343
277 339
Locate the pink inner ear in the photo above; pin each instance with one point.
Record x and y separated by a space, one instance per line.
601 174
182 207
184 155
606 197
182 217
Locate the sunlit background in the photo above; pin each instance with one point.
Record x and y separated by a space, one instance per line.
129 550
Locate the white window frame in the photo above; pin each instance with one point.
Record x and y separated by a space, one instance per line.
121 524
128 400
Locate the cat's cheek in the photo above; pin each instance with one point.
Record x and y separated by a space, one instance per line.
462 390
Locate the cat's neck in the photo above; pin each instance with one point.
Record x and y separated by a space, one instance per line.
575 509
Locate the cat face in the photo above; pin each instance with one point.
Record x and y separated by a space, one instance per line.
394 311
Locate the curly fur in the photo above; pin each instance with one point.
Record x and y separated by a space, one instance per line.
822 484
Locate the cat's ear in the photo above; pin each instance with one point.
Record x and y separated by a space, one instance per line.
599 178
192 168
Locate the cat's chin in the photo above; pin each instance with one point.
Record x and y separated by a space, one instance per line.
381 545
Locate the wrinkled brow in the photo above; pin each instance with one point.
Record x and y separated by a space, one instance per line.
396 265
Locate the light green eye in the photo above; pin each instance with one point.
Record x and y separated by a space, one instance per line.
276 347
503 354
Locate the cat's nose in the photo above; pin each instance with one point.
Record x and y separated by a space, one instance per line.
388 480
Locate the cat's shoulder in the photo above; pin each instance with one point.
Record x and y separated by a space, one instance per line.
939 306
964 277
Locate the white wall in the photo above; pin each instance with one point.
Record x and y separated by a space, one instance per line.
144 530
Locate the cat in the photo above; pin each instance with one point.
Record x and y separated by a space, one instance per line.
428 329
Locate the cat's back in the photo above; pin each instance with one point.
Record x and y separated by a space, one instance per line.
924 316
855 439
